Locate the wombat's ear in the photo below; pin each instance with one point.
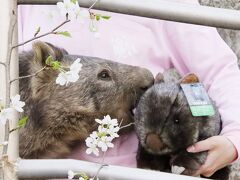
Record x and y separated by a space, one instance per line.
159 78
190 78
43 50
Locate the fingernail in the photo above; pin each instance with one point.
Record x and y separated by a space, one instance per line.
191 149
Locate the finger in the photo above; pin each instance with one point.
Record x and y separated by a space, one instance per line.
209 167
201 146
208 174
206 171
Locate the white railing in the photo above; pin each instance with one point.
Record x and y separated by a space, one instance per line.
59 168
163 9
158 9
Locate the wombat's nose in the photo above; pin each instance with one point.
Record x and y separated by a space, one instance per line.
153 142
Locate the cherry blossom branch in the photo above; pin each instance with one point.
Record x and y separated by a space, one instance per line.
12 26
130 124
92 5
53 31
13 22
28 76
2 63
9 55
102 166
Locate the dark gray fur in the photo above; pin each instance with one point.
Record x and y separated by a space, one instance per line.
61 116
156 116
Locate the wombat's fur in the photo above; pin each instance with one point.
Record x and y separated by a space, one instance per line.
165 127
60 116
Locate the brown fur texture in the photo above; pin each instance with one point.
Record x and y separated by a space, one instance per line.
61 116
165 127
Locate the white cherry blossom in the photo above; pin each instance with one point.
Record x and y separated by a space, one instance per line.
107 131
71 174
92 149
17 104
4 143
112 131
65 77
94 135
76 66
107 121
105 143
72 9
5 115
91 141
75 11
65 7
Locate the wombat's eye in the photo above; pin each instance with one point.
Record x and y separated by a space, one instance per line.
176 121
104 75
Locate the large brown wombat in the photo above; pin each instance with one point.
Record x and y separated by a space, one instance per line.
166 127
60 116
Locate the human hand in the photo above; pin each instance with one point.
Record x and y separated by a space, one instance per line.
221 152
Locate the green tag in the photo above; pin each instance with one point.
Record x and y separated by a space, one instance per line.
204 110
198 100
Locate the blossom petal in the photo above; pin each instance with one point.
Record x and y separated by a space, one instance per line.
89 151
71 174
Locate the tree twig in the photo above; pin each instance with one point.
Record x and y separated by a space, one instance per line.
7 65
14 129
2 63
28 76
130 124
92 5
12 26
53 31
102 166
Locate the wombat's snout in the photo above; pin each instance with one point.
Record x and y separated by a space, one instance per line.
154 142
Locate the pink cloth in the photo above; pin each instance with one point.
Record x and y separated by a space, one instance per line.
153 44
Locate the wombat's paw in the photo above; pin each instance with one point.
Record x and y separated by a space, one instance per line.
184 168
189 161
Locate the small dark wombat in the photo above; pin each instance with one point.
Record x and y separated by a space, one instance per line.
60 116
165 127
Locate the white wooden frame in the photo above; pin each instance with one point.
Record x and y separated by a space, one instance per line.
158 9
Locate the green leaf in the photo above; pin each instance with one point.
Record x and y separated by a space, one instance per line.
56 65
74 1
37 31
83 175
22 121
64 33
97 17
106 17
49 60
